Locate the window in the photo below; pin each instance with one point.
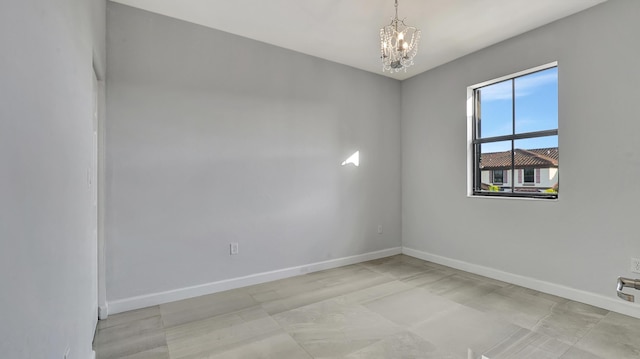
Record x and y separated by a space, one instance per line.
529 174
513 129
498 177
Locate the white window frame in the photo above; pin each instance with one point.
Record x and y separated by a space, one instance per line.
471 124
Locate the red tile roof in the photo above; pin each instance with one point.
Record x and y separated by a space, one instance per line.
537 158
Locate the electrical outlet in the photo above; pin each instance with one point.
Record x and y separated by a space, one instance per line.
635 265
233 247
379 229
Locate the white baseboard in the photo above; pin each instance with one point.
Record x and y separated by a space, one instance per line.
126 304
610 303
103 311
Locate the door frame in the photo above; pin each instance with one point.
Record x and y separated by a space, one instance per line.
103 308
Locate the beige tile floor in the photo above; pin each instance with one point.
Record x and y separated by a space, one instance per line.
395 307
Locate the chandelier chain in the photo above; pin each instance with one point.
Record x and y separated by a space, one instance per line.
396 9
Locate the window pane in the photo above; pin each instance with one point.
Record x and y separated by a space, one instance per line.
529 174
495 157
495 113
498 176
537 163
537 101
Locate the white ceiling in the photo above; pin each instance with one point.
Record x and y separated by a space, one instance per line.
347 31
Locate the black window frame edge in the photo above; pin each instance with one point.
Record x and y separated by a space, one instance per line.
473 143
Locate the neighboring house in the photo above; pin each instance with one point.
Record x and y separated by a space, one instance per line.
534 170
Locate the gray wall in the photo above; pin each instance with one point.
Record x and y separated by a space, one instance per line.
586 238
47 301
213 138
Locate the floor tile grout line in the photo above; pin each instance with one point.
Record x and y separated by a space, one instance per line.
589 331
290 336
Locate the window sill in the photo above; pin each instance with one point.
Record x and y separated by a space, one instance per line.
525 198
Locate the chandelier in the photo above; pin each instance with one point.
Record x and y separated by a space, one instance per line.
398 44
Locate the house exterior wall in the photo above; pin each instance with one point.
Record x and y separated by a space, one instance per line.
548 178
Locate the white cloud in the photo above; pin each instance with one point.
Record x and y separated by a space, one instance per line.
499 91
524 86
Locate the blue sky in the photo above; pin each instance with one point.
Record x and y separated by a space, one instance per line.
536 109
